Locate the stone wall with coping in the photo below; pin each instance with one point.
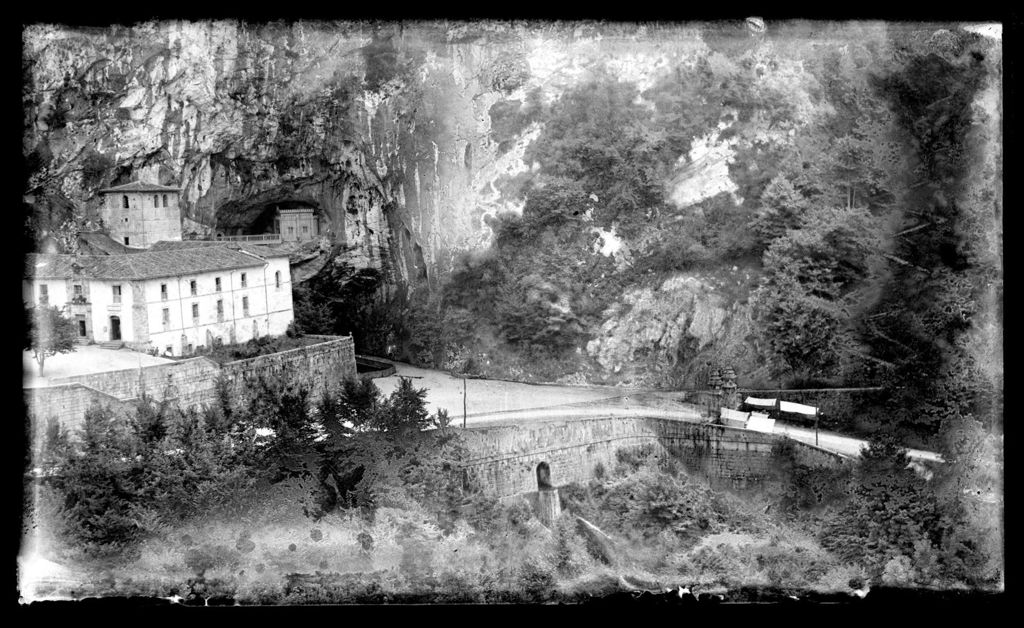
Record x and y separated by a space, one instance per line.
504 458
323 366
67 404
191 382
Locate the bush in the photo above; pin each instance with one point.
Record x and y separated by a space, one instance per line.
536 581
630 460
127 478
898 571
805 487
892 513
571 558
649 502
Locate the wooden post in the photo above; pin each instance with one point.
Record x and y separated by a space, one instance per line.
463 402
817 413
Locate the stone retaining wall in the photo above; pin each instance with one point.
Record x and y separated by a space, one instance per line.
190 382
505 458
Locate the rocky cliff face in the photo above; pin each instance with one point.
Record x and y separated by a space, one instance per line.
669 334
400 137
403 137
387 131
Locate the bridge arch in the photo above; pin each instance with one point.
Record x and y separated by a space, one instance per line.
543 476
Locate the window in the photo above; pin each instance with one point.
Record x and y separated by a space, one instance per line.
156 201
124 201
169 350
117 294
165 200
245 306
216 283
305 228
192 287
44 294
291 230
166 318
220 311
126 240
195 312
77 290
243 280
163 292
277 279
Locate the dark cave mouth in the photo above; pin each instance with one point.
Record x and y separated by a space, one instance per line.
267 217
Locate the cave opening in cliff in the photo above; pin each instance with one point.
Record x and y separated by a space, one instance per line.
293 219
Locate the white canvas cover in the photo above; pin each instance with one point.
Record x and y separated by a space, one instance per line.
734 417
797 408
763 403
761 423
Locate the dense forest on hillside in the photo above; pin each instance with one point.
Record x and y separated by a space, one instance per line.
857 246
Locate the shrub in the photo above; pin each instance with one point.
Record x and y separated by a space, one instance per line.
805 487
536 581
898 571
570 554
891 509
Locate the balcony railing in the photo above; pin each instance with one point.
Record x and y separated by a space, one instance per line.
262 237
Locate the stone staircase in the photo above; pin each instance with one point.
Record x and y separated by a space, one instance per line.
112 344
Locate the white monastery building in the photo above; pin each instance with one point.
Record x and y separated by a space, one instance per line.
140 214
170 299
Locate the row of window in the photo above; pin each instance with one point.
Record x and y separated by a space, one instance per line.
156 201
44 290
195 312
194 290
77 293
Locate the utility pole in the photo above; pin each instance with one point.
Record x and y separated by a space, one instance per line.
463 402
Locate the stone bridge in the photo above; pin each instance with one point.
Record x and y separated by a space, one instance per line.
518 460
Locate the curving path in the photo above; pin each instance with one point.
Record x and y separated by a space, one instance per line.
496 402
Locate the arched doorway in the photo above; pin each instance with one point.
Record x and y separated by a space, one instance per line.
543 476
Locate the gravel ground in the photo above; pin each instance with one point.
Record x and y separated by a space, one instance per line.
85 359
489 396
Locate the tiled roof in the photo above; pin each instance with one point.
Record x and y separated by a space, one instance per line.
100 244
139 186
255 249
147 265
177 245
258 249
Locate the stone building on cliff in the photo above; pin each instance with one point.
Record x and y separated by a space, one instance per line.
140 214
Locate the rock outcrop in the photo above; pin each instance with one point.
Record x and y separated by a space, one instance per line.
668 335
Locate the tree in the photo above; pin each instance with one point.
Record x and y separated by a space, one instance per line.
50 333
815 281
283 406
892 512
98 482
407 408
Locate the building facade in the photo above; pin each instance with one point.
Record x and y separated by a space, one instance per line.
168 302
296 225
141 214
